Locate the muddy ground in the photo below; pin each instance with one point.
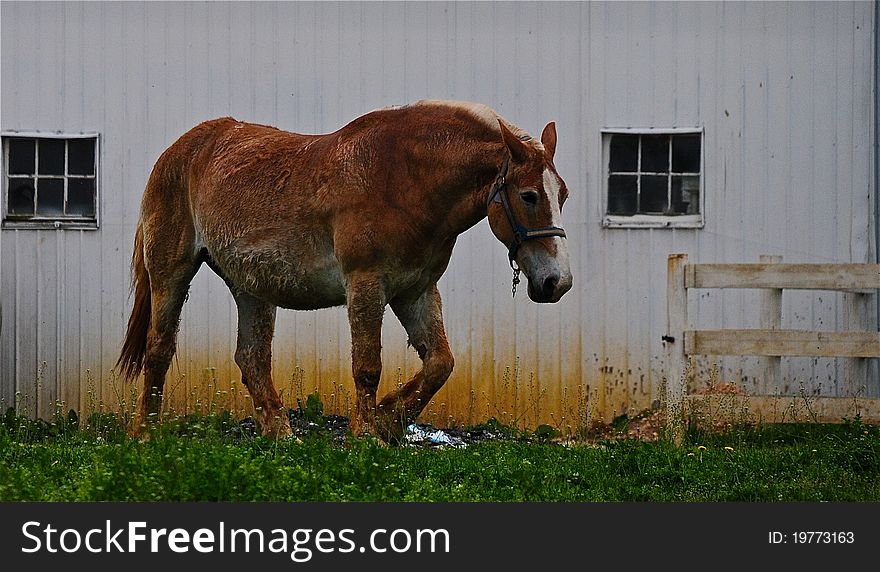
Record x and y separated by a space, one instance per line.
645 427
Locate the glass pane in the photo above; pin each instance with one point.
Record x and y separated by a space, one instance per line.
653 197
686 153
51 156
655 153
21 156
685 194
50 197
81 197
21 196
624 153
622 194
81 156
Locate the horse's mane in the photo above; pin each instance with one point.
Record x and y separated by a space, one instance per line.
481 112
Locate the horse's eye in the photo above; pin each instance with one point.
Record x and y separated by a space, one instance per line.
530 197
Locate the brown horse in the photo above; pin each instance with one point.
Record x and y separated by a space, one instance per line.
365 216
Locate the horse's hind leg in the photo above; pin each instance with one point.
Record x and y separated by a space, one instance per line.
253 354
423 320
169 284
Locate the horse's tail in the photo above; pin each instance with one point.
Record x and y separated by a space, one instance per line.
134 348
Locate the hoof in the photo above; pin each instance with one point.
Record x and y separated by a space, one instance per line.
279 431
276 425
360 428
387 428
139 432
366 431
391 429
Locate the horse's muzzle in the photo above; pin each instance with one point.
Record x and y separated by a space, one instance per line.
547 268
550 288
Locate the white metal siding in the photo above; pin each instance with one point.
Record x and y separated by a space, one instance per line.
783 91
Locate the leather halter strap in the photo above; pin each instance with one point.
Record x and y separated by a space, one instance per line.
520 232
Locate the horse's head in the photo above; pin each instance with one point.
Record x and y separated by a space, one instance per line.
525 212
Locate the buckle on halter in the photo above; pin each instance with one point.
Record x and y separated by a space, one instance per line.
498 189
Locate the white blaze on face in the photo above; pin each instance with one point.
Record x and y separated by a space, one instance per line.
552 188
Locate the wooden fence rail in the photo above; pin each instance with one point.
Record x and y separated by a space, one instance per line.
858 281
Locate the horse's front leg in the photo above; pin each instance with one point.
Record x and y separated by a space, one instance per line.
366 305
422 318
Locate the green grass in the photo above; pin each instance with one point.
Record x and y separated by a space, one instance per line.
206 459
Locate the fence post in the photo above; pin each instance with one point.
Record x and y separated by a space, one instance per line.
855 318
771 319
676 360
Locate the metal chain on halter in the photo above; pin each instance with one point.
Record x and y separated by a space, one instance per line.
516 272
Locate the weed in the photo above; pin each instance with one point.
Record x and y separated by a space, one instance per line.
545 433
311 409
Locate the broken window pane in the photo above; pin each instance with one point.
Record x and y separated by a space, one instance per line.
81 157
81 197
686 194
653 195
624 153
622 194
21 156
50 197
655 153
21 196
686 153
51 153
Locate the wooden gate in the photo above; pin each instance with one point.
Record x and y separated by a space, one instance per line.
858 281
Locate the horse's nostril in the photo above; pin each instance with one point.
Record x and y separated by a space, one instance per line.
550 284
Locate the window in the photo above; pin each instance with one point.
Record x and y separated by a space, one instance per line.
653 178
50 180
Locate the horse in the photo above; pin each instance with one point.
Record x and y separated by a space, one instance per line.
366 216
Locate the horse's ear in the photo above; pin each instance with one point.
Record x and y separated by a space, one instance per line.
548 138
518 150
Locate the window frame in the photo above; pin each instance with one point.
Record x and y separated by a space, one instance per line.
42 222
639 220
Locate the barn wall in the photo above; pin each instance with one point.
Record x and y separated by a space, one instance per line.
783 92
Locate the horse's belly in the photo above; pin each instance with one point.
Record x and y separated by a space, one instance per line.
309 289
289 280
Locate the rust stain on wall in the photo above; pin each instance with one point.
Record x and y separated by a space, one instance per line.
480 388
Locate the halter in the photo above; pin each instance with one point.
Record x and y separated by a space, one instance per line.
520 232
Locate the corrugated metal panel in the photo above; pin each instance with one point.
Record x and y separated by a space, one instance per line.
781 89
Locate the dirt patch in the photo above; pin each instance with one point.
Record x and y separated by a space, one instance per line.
647 426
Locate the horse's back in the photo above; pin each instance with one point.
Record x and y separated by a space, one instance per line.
284 215
252 197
